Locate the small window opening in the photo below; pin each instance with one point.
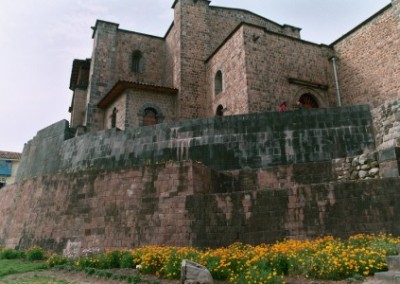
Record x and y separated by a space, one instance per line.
218 82
150 117
136 61
114 118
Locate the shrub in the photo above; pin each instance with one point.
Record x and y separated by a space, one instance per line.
90 271
110 259
6 253
56 260
87 262
126 260
35 253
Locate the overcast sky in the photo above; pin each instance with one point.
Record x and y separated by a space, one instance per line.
39 39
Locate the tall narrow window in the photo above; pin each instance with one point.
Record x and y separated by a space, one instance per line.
218 82
114 118
136 61
150 117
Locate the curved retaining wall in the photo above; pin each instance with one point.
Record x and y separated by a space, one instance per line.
221 143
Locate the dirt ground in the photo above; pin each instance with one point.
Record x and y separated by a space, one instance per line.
82 278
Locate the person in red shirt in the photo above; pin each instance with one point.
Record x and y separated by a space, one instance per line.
283 107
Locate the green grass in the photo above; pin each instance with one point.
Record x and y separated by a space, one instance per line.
14 266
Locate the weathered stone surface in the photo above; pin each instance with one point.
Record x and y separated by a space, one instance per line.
223 143
373 172
365 167
194 273
72 249
187 204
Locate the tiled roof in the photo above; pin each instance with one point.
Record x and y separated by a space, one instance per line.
10 155
121 85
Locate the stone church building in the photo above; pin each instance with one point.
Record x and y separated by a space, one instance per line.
217 60
217 162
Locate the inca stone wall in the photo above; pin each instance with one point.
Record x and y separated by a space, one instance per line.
222 143
187 204
41 155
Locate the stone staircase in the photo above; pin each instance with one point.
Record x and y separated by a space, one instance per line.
393 274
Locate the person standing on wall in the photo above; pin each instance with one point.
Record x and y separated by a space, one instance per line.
283 107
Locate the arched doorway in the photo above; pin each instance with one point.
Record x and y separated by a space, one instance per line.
308 101
220 110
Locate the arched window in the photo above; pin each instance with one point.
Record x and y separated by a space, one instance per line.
308 101
150 116
114 118
220 111
136 61
218 82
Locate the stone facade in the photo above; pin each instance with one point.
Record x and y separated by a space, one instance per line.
260 64
369 61
202 41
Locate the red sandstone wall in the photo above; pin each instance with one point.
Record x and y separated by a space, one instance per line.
369 62
104 209
186 204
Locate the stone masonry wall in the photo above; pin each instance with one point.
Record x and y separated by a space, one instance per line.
187 204
153 59
78 109
222 21
112 61
386 119
192 100
120 105
102 70
369 60
139 100
365 166
222 143
41 155
270 63
230 60
132 207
